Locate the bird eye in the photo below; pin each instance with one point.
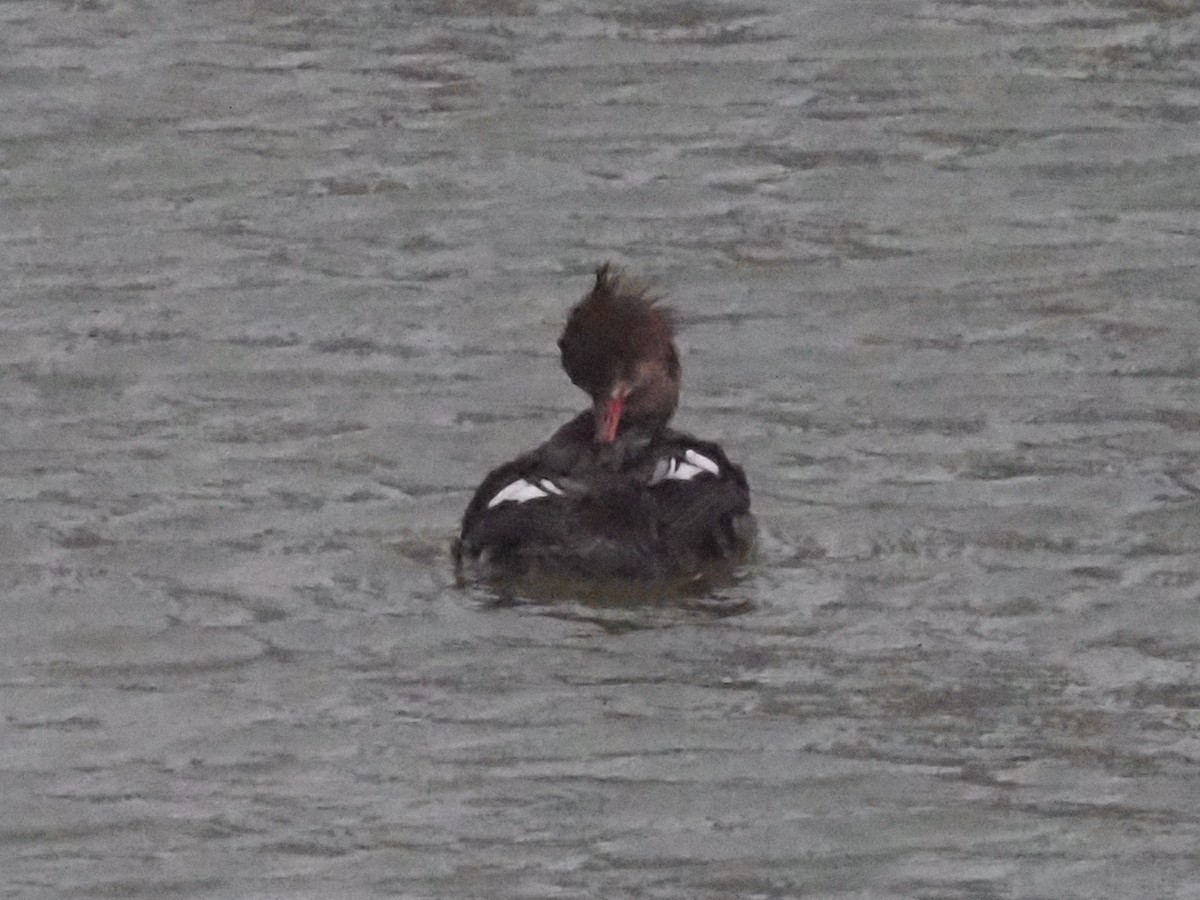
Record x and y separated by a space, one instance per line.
562 345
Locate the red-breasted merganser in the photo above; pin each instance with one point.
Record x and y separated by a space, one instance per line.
614 494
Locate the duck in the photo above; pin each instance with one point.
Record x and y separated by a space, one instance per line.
615 494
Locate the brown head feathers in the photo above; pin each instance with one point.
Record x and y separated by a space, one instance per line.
619 342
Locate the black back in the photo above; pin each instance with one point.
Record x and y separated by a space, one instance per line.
632 509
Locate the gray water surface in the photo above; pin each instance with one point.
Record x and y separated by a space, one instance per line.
281 282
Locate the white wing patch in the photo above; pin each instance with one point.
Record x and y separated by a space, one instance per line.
703 462
521 490
689 467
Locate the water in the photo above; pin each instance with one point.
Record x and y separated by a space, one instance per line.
282 281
